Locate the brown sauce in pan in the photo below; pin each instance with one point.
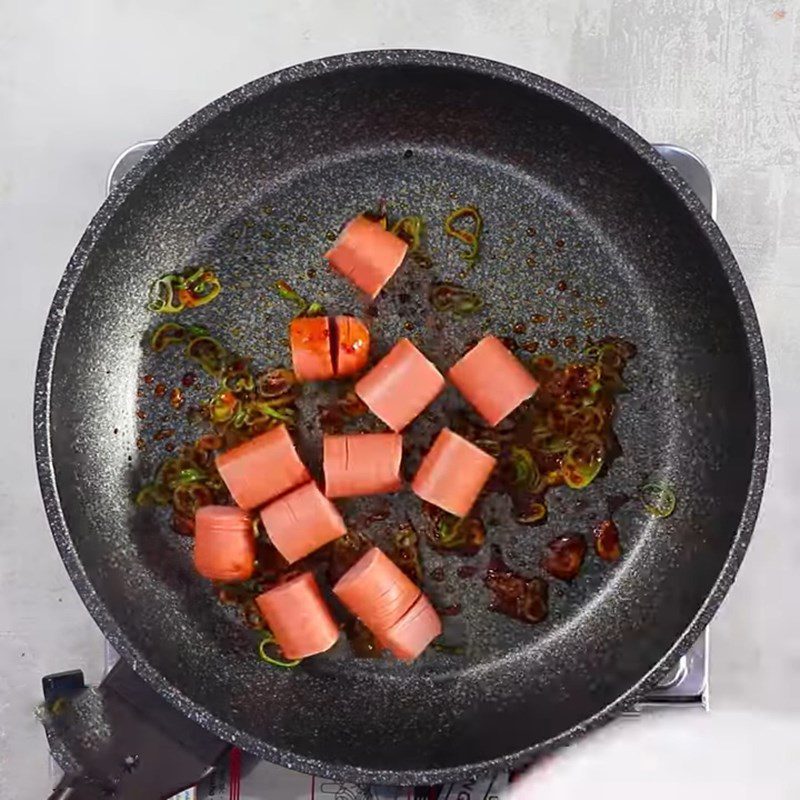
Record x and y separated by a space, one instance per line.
514 595
564 435
563 557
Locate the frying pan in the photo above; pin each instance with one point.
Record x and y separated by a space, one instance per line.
254 183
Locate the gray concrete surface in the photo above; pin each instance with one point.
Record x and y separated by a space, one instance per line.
81 80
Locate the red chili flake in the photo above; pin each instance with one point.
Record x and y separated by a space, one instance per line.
559 242
571 343
520 327
141 414
564 556
606 540
160 390
148 379
562 286
531 261
164 433
538 319
140 443
176 399
169 446
189 379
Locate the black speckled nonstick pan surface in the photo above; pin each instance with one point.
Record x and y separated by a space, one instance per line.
253 184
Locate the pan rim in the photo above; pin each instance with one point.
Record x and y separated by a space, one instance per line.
396 58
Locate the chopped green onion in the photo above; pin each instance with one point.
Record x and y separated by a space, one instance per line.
275 383
581 465
452 649
269 639
208 353
164 294
526 473
535 512
266 409
469 236
287 293
409 229
305 308
223 406
167 334
658 499
152 495
190 475
174 292
451 297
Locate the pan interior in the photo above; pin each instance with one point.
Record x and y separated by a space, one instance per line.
256 193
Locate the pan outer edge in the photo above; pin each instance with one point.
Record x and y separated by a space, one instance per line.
389 58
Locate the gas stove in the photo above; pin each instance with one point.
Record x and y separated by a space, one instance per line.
244 778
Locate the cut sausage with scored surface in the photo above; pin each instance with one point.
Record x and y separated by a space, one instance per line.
301 522
352 346
367 254
400 386
261 469
310 339
418 627
492 380
362 463
224 545
377 591
453 473
298 617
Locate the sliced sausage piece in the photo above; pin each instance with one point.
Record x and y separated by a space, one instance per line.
418 627
310 338
400 386
224 545
352 346
377 591
261 469
492 379
453 473
298 617
301 522
362 463
367 254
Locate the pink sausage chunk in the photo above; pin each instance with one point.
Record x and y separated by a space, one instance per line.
453 473
263 468
492 380
415 630
367 254
298 617
301 522
400 386
224 546
377 591
362 463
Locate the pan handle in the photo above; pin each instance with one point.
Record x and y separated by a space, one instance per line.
122 740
